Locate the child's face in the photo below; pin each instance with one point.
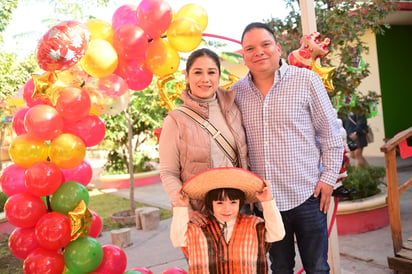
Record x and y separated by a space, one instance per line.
226 210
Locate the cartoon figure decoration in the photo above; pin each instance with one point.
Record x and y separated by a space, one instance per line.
88 69
310 50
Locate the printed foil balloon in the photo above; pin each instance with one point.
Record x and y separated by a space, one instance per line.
62 46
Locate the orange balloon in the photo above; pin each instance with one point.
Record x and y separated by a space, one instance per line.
196 12
97 100
25 150
184 34
67 151
100 59
162 58
100 29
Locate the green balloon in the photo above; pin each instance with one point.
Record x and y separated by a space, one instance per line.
133 272
83 255
68 196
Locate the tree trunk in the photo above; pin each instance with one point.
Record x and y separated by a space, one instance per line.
130 150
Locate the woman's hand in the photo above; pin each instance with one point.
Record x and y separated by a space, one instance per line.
197 218
266 194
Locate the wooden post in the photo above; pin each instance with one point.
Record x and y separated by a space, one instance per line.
121 237
307 9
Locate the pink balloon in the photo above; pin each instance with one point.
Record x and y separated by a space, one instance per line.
12 180
73 103
135 73
43 178
154 17
112 85
53 230
130 42
22 241
91 129
114 260
43 122
41 261
174 270
82 173
96 226
123 16
28 91
18 121
24 209
143 270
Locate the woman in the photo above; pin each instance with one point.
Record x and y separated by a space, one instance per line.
185 147
231 242
356 126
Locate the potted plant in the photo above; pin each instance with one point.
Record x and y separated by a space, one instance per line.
366 208
126 134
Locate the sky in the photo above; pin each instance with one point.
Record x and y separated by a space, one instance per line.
226 18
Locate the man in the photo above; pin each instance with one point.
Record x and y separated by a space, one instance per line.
291 132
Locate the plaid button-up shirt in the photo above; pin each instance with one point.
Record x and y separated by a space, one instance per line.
293 135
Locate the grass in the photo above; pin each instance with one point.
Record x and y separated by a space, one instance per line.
103 204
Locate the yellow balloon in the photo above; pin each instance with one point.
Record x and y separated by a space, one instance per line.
196 12
100 59
100 29
25 150
162 58
67 151
184 34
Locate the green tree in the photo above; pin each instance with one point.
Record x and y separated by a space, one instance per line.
345 23
128 130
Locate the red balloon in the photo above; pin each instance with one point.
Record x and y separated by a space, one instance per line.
53 231
82 173
43 178
24 209
143 270
28 90
22 242
154 17
114 260
73 103
135 73
12 180
174 270
112 85
130 42
123 16
43 122
96 226
91 129
18 121
62 46
42 261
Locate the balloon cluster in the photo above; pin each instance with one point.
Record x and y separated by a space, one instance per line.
310 50
88 70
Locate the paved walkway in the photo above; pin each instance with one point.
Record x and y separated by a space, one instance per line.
359 253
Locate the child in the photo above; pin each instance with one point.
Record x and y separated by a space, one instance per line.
230 242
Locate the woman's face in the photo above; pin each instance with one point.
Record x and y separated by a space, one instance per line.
226 210
203 77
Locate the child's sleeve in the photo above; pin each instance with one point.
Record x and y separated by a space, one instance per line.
178 227
275 231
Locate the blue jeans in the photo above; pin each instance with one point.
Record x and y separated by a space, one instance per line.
309 224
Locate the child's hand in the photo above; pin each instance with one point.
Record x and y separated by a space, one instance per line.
266 194
182 199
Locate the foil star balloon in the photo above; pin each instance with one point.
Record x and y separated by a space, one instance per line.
166 99
46 87
81 220
325 73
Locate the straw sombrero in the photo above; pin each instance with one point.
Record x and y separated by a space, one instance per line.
224 177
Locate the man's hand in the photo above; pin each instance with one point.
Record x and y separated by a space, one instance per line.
325 191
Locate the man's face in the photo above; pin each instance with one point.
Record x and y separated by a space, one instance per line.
261 53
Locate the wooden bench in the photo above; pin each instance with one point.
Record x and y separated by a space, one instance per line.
402 259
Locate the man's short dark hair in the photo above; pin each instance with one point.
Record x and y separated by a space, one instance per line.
257 25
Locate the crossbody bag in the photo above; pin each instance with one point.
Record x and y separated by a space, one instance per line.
216 135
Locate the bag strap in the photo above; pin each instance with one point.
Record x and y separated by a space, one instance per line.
221 141
351 120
